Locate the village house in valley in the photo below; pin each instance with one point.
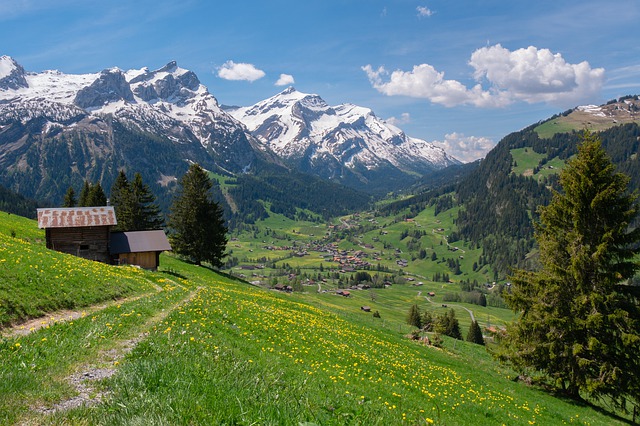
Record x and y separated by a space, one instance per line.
86 232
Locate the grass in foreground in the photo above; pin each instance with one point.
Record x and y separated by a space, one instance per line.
235 354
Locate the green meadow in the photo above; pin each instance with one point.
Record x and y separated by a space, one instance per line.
187 345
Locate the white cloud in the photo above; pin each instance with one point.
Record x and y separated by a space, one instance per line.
531 75
425 82
424 11
232 71
285 80
405 118
466 148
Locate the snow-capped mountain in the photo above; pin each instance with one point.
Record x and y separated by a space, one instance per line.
57 129
332 141
94 124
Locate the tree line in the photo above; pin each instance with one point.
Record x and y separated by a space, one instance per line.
196 225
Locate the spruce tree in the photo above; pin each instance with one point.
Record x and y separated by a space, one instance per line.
448 325
196 222
413 316
475 334
70 198
96 196
578 324
84 195
121 200
146 213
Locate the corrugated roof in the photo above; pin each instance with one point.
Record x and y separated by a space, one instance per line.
73 217
139 241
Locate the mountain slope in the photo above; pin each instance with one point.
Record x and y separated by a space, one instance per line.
345 143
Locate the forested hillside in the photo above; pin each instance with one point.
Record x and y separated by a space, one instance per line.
499 205
11 202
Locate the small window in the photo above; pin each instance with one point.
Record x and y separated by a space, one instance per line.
84 246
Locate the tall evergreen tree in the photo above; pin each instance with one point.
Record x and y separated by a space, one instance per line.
414 316
134 204
70 198
448 325
578 324
198 230
475 334
96 196
121 200
146 213
84 195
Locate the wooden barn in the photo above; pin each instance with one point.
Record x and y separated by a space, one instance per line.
80 231
140 248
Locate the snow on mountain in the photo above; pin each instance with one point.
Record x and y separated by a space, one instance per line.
296 125
347 143
169 101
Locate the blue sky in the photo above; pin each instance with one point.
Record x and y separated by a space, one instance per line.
464 73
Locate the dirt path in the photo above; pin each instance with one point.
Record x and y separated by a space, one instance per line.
64 315
473 318
105 365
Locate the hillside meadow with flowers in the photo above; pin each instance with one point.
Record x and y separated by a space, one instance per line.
84 343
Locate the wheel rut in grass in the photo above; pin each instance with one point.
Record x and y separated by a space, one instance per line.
64 315
87 375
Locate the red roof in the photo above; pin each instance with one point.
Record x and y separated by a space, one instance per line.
74 217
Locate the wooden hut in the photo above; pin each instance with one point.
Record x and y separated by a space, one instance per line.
80 231
141 248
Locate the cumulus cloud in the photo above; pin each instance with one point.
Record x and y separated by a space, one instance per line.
241 71
466 148
425 82
285 80
424 12
404 118
530 75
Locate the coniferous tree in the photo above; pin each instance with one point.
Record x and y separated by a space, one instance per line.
70 198
427 321
121 200
84 195
578 324
134 204
146 213
448 325
96 196
198 230
413 317
475 334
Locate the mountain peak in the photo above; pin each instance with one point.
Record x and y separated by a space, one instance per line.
11 74
170 67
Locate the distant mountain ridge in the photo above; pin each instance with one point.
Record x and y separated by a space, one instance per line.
345 143
59 129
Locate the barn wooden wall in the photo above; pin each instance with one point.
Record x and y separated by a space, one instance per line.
90 242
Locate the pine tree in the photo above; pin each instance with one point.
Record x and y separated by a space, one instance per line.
96 196
134 204
84 195
475 334
121 200
448 325
146 213
427 321
198 230
413 317
70 198
577 323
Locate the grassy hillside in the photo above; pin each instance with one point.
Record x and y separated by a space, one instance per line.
34 280
194 347
613 113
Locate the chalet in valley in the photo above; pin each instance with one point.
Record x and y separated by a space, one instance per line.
86 232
